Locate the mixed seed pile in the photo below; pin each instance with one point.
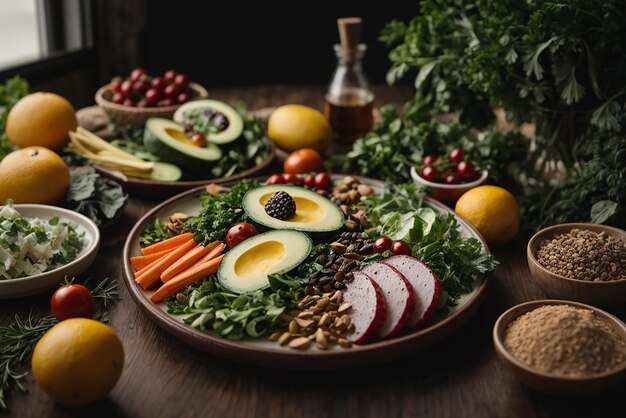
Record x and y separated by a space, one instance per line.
345 195
323 319
584 255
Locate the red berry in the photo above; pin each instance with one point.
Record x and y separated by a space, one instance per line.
140 87
453 179
171 91
309 182
169 76
153 96
126 88
116 83
429 160
456 155
182 98
291 179
276 179
143 103
322 180
382 244
182 81
158 83
429 173
128 102
117 98
239 233
199 139
138 74
466 170
401 248
167 102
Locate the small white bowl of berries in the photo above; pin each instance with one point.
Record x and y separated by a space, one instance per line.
134 99
448 176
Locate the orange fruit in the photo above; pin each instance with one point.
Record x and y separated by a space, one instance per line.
305 160
33 175
42 119
492 210
78 361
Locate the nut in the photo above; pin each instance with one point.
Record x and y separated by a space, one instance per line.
345 307
294 327
364 190
303 323
320 339
324 320
337 247
300 343
343 342
322 303
274 336
282 340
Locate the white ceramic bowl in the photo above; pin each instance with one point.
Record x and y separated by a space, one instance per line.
447 193
38 283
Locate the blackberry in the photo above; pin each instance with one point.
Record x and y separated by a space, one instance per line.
281 206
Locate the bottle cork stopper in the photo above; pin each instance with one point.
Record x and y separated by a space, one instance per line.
349 34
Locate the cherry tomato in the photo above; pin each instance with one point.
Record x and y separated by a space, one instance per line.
128 102
240 232
199 139
291 179
117 98
171 91
182 98
140 87
382 244
116 83
401 248
309 182
429 160
158 83
456 155
276 179
182 81
466 170
453 179
169 76
429 173
167 102
138 74
143 103
72 301
322 180
302 161
153 96
126 88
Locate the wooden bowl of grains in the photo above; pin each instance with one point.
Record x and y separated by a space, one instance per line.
561 347
580 261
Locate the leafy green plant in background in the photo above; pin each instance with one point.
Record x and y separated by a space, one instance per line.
10 93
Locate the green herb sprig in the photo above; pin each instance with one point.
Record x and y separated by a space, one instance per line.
10 93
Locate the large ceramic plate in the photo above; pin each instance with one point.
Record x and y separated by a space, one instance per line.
261 352
41 282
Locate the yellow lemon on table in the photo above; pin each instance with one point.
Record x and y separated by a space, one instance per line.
492 210
33 175
78 361
42 119
293 126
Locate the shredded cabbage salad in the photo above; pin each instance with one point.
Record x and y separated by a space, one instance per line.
32 246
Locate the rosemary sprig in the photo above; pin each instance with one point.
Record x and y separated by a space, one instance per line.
18 339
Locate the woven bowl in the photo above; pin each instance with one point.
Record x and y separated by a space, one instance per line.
602 294
137 116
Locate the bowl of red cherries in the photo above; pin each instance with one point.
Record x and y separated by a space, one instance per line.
132 100
448 176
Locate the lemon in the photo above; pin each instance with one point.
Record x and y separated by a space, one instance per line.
292 127
492 210
33 175
78 361
41 119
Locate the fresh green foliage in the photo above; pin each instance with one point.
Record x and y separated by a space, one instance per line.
235 316
434 238
400 142
219 213
561 62
10 93
18 338
154 231
100 199
594 192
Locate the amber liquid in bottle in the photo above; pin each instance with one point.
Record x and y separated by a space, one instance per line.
351 114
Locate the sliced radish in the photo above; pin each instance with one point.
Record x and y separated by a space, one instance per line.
398 295
368 307
425 286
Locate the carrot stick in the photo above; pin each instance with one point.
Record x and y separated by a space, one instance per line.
219 249
168 243
187 277
142 261
187 260
150 276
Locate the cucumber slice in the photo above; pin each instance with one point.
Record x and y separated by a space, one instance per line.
165 172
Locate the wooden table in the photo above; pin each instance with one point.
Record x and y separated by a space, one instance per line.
459 377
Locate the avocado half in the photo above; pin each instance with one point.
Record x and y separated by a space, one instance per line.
314 213
235 122
167 140
245 267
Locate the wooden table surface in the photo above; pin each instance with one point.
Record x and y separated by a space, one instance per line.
458 377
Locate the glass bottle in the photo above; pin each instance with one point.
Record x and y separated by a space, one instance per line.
349 102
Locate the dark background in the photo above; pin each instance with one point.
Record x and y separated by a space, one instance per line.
218 43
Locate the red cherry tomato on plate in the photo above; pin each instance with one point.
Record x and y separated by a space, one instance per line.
309 182
291 179
72 301
382 244
239 233
453 179
456 155
276 179
322 180
429 173
401 248
429 160
466 170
